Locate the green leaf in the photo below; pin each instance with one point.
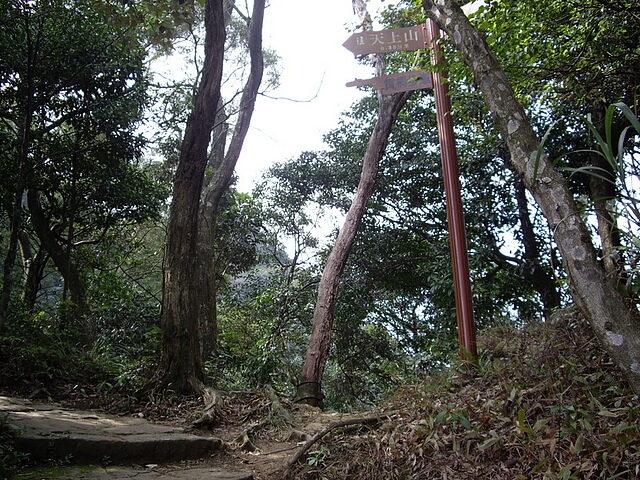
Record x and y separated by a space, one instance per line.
578 444
607 413
464 421
489 442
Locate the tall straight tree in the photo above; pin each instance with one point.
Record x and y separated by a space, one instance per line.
181 366
188 292
614 321
310 385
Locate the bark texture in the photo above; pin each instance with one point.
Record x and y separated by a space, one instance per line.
614 321
181 366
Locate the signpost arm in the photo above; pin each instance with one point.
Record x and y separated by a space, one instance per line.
455 216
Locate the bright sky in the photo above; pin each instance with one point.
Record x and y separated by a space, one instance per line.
308 36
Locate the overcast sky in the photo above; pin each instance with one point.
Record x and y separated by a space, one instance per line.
308 36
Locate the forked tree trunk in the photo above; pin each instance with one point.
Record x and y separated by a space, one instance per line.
614 321
310 386
213 193
181 366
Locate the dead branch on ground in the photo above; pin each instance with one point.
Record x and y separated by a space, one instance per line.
347 425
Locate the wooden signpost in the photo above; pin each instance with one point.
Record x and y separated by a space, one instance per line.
415 38
386 41
397 82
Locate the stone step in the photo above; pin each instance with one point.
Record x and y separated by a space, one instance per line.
88 472
49 432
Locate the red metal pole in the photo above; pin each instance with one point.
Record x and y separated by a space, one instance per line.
455 216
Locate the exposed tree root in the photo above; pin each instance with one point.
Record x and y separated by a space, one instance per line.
277 410
213 402
213 412
243 442
346 425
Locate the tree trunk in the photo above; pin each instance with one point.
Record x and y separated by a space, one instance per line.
541 280
603 192
12 252
222 180
181 365
206 281
310 385
15 214
33 265
65 265
309 388
207 273
614 321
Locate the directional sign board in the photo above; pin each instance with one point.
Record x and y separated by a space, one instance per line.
416 38
386 41
397 82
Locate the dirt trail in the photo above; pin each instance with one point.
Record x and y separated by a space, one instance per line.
265 445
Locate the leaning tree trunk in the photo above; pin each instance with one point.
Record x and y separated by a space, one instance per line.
213 193
181 364
310 386
65 265
614 321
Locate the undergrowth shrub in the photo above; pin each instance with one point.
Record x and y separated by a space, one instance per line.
128 342
41 355
36 351
10 459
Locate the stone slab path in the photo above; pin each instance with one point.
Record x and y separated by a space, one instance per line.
139 473
86 437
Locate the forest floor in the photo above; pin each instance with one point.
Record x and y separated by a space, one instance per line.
261 433
543 402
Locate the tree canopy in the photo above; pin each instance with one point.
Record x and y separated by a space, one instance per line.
72 94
